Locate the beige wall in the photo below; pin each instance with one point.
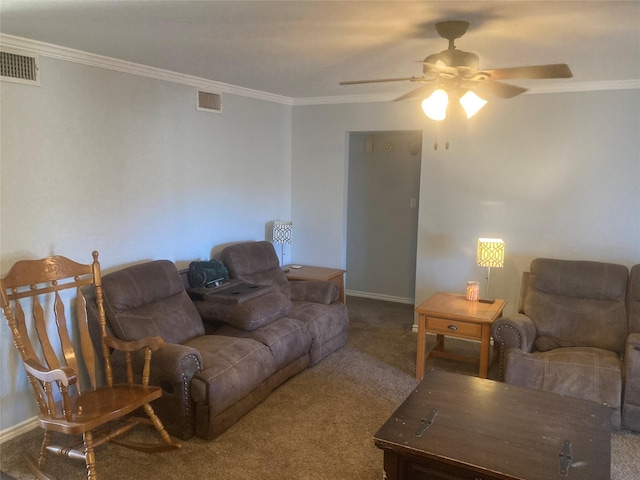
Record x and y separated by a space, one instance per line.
554 175
97 159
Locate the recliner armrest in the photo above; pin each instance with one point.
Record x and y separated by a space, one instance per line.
514 331
316 291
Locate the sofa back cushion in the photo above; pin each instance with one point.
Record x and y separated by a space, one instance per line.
578 303
256 263
150 300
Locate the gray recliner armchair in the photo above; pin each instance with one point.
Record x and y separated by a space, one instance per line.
577 333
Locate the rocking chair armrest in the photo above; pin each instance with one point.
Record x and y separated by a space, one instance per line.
66 375
153 343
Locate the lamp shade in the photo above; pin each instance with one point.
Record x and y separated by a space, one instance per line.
282 232
490 252
471 103
435 107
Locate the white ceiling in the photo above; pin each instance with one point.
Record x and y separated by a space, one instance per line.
302 49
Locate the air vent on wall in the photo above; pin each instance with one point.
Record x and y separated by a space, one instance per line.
208 102
20 67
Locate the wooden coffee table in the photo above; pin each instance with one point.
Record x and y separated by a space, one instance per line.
488 430
453 315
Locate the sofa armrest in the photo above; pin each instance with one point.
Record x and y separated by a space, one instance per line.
172 363
316 291
631 394
173 368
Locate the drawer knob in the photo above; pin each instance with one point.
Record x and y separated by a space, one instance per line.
452 327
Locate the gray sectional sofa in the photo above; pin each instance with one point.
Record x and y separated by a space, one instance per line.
222 356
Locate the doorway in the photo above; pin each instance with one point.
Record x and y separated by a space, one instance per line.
382 214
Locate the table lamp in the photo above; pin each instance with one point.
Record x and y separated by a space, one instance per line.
281 233
490 254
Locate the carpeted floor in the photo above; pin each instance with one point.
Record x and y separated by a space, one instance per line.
318 425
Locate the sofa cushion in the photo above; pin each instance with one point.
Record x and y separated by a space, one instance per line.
581 372
578 302
257 263
175 319
149 299
327 324
232 368
248 315
142 284
580 278
287 338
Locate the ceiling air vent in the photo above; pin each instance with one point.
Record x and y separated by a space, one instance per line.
208 102
19 67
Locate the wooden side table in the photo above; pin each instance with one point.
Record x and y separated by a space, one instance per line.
453 315
306 272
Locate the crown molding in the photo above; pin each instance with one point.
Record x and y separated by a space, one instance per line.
379 97
91 59
631 84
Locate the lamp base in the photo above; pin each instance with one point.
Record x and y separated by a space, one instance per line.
487 300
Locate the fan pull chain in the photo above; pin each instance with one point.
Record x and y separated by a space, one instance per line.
446 145
446 133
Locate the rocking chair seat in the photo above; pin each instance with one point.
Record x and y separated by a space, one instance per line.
97 407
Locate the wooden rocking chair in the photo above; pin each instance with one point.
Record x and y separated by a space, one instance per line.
98 414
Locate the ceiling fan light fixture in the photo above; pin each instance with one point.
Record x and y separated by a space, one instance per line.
471 103
455 70
435 106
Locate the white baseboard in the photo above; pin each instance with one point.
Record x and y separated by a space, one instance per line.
17 430
377 296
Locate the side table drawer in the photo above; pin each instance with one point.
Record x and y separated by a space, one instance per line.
453 327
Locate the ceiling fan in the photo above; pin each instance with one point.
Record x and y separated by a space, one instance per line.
453 72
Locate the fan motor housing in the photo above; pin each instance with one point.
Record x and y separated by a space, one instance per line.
453 58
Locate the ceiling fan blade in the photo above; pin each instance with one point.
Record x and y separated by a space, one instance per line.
556 70
425 91
491 88
381 80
